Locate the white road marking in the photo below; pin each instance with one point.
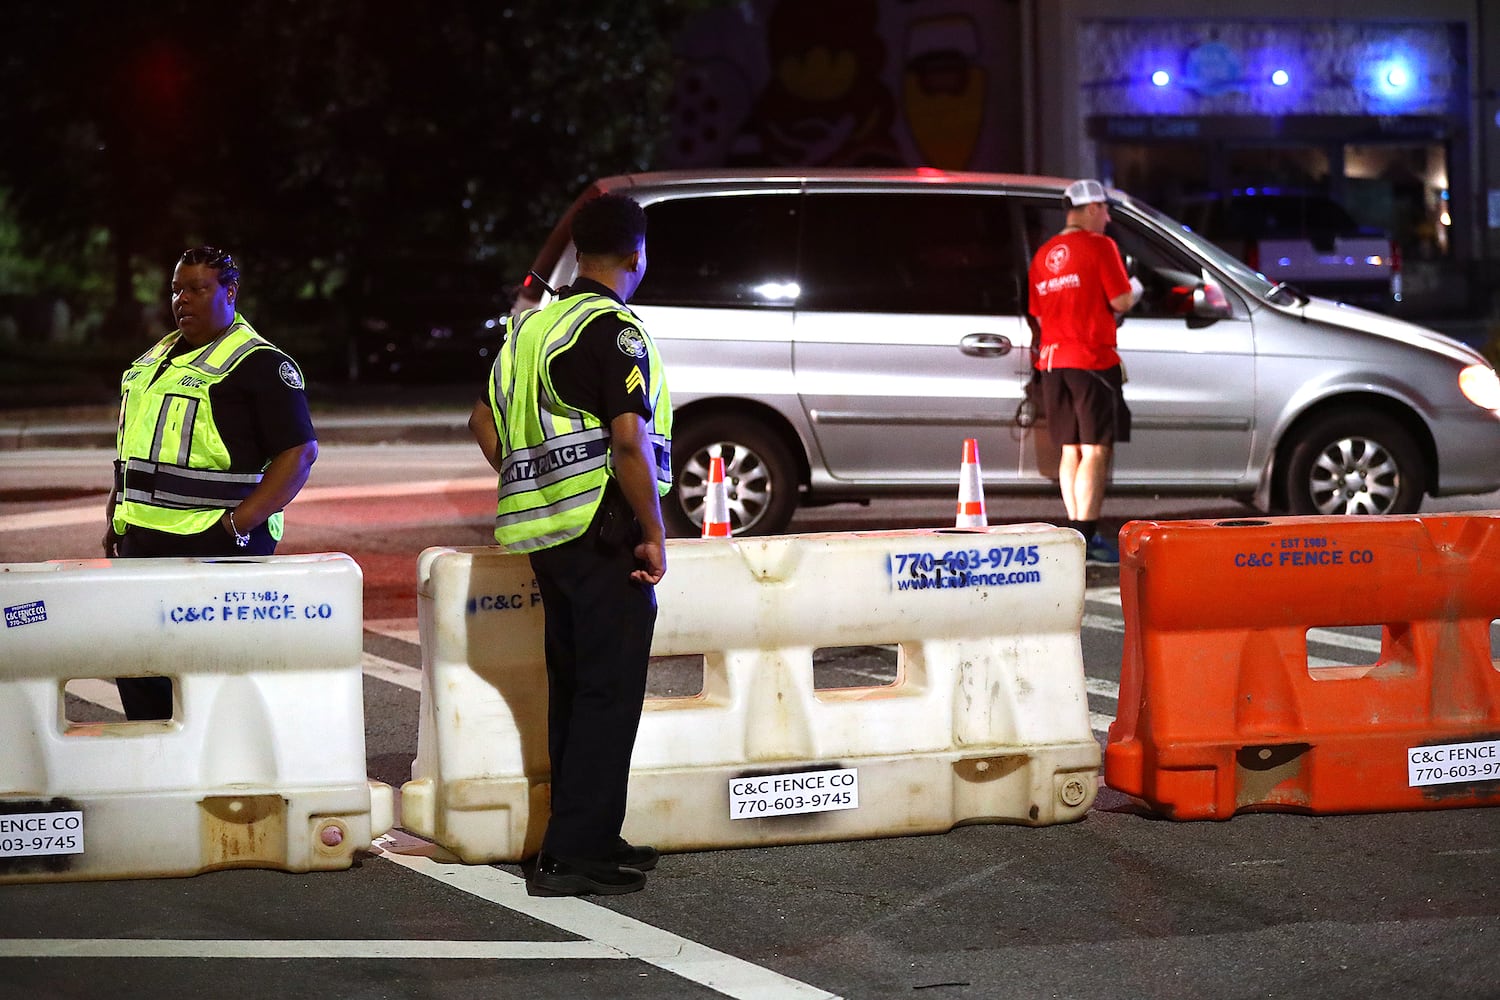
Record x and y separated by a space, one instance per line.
465 485
97 690
1103 595
697 963
405 629
152 948
70 516
65 518
1100 686
389 670
1361 643
1105 623
606 934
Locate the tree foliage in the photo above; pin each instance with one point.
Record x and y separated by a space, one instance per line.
330 143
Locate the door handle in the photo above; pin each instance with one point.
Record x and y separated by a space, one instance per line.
985 345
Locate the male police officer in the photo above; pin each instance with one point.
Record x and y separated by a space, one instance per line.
578 423
214 440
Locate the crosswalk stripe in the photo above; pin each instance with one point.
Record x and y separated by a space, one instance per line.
97 690
291 949
1100 686
722 973
389 670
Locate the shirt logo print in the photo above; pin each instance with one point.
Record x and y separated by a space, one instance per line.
1057 259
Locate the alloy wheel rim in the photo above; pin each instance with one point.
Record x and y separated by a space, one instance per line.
747 484
1354 475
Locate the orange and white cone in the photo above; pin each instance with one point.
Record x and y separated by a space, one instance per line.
716 502
970 489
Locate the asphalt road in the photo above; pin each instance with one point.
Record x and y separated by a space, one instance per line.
1121 904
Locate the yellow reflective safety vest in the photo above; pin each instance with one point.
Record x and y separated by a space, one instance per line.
555 456
172 473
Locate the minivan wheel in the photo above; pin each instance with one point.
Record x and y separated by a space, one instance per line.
1354 463
760 478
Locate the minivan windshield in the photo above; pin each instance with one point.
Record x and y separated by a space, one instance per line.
1252 281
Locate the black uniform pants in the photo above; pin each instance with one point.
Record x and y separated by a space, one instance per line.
151 697
598 631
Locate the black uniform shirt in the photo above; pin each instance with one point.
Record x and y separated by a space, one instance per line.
607 371
260 408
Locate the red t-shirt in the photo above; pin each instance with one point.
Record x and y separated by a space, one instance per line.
1073 277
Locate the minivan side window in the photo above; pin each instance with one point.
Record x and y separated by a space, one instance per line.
922 252
1167 275
724 251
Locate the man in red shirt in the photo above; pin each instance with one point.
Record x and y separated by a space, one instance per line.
1078 288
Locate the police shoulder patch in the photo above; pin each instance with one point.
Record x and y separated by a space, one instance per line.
290 375
632 342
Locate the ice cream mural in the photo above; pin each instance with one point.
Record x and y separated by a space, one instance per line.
842 83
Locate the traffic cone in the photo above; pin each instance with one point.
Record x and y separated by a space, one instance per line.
970 489
716 502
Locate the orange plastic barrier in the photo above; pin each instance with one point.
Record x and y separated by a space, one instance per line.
1220 711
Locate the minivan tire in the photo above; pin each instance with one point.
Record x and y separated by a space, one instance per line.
759 472
1360 462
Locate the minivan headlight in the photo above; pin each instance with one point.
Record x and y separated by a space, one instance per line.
1480 386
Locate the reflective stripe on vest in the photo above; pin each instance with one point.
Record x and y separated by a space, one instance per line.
556 458
178 488
172 472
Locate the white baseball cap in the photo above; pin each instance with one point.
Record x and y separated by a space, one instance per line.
1085 192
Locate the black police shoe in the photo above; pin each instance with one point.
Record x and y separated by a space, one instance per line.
555 876
642 858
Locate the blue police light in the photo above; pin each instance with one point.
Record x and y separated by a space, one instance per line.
1161 78
1396 77
1280 78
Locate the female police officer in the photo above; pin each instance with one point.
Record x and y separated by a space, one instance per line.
214 440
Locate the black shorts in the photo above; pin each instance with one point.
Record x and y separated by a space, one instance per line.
1085 407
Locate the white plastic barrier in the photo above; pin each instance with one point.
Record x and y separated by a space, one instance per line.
987 720
263 762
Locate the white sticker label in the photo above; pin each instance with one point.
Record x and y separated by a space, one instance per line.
786 794
25 835
1453 762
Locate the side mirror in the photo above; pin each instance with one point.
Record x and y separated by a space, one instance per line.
1209 304
1132 265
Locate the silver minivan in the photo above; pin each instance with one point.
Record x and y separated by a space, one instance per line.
836 334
